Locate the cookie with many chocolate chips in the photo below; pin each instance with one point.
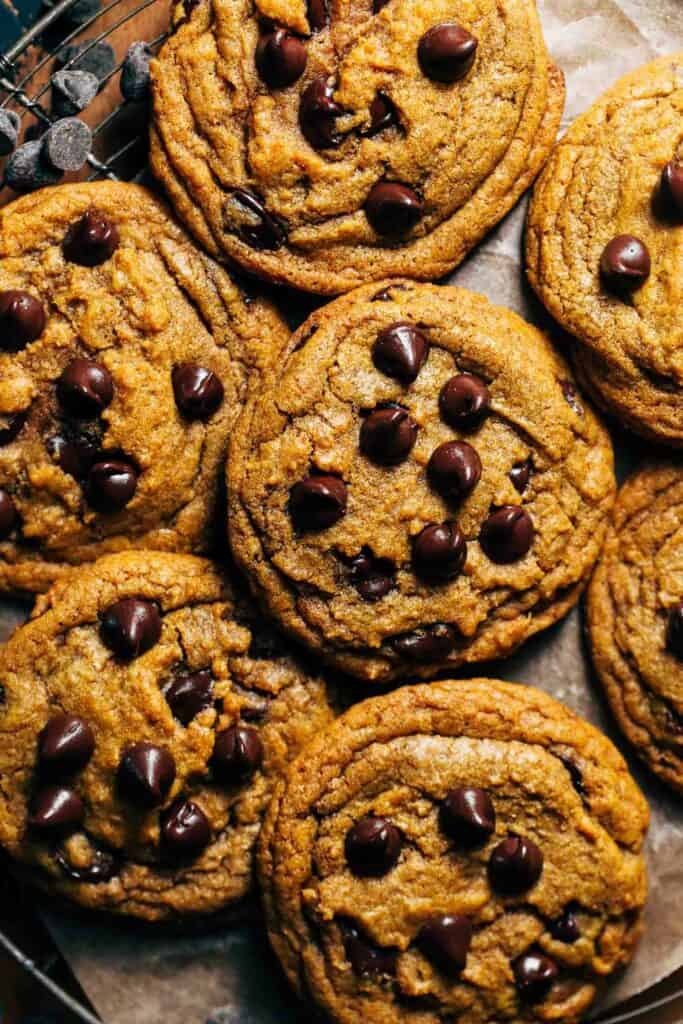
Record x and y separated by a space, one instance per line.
325 145
603 242
125 356
635 617
144 721
419 484
432 858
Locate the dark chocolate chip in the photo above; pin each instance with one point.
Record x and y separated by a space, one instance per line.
28 169
65 745
102 868
446 52
625 263
72 91
145 774
14 426
372 577
565 928
672 187
317 502
280 58
318 14
467 816
10 124
388 435
571 395
66 144
185 829
248 218
393 208
99 58
520 474
198 391
439 552
85 388
318 113
515 865
111 484
91 240
130 627
377 5
366 958
135 77
22 320
400 351
75 456
674 631
8 514
430 643
383 115
56 810
188 694
464 401
507 534
445 940
237 754
454 470
535 974
372 847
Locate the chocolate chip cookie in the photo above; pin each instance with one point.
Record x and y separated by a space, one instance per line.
466 851
603 242
635 617
144 719
420 484
125 356
325 145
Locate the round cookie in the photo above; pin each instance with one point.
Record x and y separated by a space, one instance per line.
323 146
604 235
466 850
419 485
125 356
635 617
144 721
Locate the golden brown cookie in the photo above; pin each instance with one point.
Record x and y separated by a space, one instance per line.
144 720
635 617
419 485
603 247
466 851
326 145
125 356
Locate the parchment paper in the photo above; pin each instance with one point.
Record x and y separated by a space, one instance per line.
227 975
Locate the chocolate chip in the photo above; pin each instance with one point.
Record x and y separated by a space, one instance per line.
446 52
317 502
188 694
372 577
318 14
445 940
130 627
377 5
135 77
65 745
575 775
674 631
625 263
10 124
97 58
515 865
571 395
388 435
366 958
102 868
66 144
439 552
145 774
383 114
565 928
22 320
372 847
56 810
520 474
27 169
237 753
8 514
72 91
467 816
393 208
318 113
464 401
13 428
400 351
507 534
74 457
185 829
430 643
198 391
248 218
672 187
91 240
85 388
454 470
534 976
280 58
111 484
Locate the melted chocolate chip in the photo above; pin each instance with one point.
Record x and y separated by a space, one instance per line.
372 577
565 928
445 940
185 830
515 865
625 263
318 113
75 456
400 351
102 868
198 391
439 552
507 534
366 958
674 631
372 847
22 320
571 395
248 218
454 470
317 502
237 754
388 435
92 240
280 58
464 402
446 52
65 745
468 817
8 514
188 694
383 115
56 810
520 474
85 388
111 485
534 976
393 208
146 774
130 627
430 643
671 188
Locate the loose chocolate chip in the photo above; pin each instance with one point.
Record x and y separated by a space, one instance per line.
565 928
515 865
9 131
56 810
393 208
92 240
97 58
446 941
198 391
317 502
27 169
85 388
625 263
388 435
467 816
22 320
72 91
318 14
674 632
372 577
237 754
111 484
534 976
446 52
65 745
454 470
366 959
135 78
102 868
430 643
672 187
130 627
145 774
66 144
188 694
372 847
8 515
248 218
14 425
185 829
464 401
571 395
520 474
383 114
400 351
439 552
318 113
280 58
507 534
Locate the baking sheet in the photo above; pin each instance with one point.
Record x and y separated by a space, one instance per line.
227 975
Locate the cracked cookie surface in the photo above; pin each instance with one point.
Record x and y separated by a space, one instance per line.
419 485
146 713
125 356
604 237
323 145
466 850
635 617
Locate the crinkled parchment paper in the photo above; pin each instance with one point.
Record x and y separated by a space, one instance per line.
227 975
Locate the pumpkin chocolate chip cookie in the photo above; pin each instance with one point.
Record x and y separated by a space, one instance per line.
419 484
144 720
125 356
635 617
323 146
603 244
466 851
